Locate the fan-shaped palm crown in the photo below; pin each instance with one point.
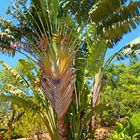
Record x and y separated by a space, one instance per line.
52 30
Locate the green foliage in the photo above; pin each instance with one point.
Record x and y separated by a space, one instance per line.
121 91
52 31
78 120
80 8
15 134
111 23
112 18
80 112
129 130
96 57
131 50
136 121
29 125
9 115
30 98
116 20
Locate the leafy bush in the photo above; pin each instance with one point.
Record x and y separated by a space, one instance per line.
130 130
121 90
135 120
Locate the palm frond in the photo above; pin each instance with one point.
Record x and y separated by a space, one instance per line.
79 8
104 8
96 57
15 74
115 18
131 50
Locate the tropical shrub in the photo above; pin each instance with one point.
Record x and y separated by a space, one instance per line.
121 91
20 87
128 130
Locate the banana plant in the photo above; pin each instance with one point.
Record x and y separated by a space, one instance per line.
23 90
112 19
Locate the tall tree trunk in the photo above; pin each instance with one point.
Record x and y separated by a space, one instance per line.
96 95
10 121
9 131
39 136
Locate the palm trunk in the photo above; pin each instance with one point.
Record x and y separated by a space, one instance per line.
62 128
96 95
1 137
59 92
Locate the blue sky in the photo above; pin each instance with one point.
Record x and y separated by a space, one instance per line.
12 61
